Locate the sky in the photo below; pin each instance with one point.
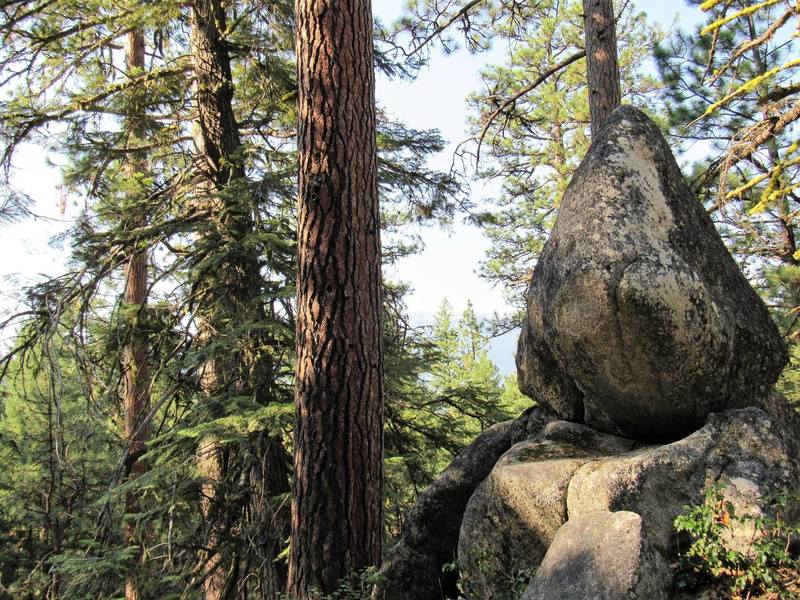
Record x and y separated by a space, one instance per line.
434 100
437 99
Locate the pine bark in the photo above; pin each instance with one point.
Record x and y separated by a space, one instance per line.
135 369
230 295
601 61
337 492
217 140
218 133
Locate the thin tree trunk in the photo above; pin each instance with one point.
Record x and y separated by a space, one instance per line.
337 492
53 528
218 133
230 295
217 139
136 374
269 479
601 61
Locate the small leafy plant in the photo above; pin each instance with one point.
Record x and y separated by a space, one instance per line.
765 564
513 583
358 587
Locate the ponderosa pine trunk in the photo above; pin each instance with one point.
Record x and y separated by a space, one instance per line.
337 493
135 369
602 69
229 296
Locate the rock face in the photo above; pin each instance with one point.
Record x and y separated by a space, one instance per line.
642 335
514 514
601 556
569 472
413 569
639 322
745 450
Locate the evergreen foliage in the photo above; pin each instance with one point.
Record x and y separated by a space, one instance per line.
531 117
216 230
69 93
531 143
442 390
765 565
731 86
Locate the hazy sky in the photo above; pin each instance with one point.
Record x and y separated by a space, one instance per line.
436 99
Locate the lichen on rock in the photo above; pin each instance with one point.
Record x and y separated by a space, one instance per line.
639 322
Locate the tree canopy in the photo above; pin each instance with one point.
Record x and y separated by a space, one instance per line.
153 393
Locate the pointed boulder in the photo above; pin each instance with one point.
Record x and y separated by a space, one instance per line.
639 321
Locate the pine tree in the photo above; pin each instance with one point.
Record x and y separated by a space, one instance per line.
228 297
445 372
203 212
59 447
112 230
731 85
602 70
536 142
337 494
135 368
534 111
481 373
463 379
432 409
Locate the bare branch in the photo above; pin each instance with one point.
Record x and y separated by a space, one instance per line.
464 11
528 88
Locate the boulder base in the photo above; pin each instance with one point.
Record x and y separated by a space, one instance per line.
515 513
568 472
414 566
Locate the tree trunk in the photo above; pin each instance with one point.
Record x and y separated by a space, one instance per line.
601 61
217 140
135 370
230 296
218 133
337 492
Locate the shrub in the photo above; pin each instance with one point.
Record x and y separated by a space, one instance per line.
358 587
766 565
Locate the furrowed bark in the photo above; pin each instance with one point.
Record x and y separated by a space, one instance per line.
217 132
337 493
601 61
230 295
135 369
217 140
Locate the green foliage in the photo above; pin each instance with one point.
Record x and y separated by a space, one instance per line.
441 391
357 587
464 379
512 399
743 126
218 323
59 451
533 145
764 565
535 136
514 582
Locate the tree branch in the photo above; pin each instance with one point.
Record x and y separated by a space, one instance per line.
528 88
461 13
